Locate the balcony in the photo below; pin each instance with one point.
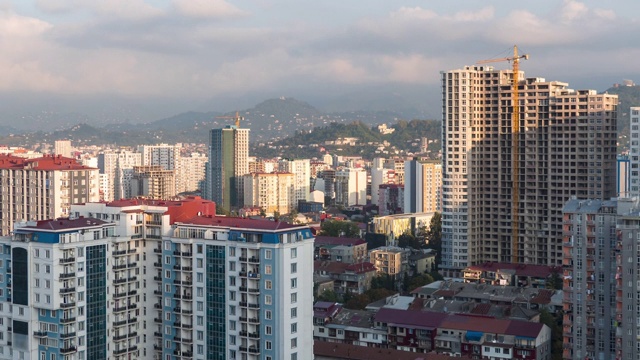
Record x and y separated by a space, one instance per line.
157 320
67 260
68 305
67 275
119 267
254 260
67 335
67 290
40 334
120 309
67 320
119 337
119 323
120 351
68 350
157 251
157 278
157 306
157 264
157 334
157 292
132 320
119 252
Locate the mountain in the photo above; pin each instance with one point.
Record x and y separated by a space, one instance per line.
628 96
269 121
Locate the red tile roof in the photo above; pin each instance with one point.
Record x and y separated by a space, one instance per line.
66 224
353 352
178 210
8 161
331 240
412 318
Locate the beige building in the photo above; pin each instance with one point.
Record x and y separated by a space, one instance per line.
42 188
62 148
153 182
567 146
190 172
389 260
399 224
117 167
270 192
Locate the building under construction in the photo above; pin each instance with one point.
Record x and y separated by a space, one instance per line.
506 175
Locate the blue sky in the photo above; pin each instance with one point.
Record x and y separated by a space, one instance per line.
198 49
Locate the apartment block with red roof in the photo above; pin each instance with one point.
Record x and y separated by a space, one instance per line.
42 188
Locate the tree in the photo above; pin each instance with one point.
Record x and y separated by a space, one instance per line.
383 281
407 240
328 295
340 228
434 236
418 281
554 281
553 322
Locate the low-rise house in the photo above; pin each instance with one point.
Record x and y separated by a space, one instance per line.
340 249
352 278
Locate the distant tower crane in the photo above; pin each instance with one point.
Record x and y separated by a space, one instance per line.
236 118
515 147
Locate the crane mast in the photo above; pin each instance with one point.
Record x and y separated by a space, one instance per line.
515 148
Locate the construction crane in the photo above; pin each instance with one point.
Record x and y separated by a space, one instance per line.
515 147
236 118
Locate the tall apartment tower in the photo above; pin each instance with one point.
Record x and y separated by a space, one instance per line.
190 172
589 240
422 186
42 188
163 154
567 147
270 192
228 162
301 170
634 151
351 187
623 176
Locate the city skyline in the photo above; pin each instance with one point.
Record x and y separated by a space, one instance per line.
164 57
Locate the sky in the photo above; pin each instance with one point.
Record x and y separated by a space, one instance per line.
181 54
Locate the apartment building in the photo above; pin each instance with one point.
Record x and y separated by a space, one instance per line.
351 186
163 155
190 172
301 170
153 181
228 162
148 279
118 167
42 188
634 151
270 192
567 146
390 260
391 199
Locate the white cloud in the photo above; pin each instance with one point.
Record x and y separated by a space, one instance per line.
123 9
207 9
416 13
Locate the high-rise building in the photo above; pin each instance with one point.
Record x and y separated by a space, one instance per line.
163 154
391 199
423 186
228 162
62 148
269 192
118 167
190 172
144 279
301 170
42 188
589 228
566 146
623 176
379 176
351 187
634 151
154 182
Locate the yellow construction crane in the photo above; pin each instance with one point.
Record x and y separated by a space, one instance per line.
515 147
236 118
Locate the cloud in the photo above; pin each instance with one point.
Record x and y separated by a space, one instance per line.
212 9
124 9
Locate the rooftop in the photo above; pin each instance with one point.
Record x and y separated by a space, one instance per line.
238 222
335 267
331 240
63 224
328 350
8 161
539 271
485 292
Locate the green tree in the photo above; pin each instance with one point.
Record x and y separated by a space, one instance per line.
407 240
554 281
358 302
329 295
434 236
383 281
553 322
340 228
418 281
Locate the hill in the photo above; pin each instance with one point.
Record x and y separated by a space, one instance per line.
628 96
404 140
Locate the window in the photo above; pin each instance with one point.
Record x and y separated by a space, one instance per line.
200 306
268 285
294 328
294 312
268 315
294 283
267 330
199 249
200 291
267 254
232 295
294 253
294 268
37 267
200 320
232 266
267 299
47 269
267 345
47 254
294 298
294 343
267 269
167 260
199 263
199 277
232 339
232 251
